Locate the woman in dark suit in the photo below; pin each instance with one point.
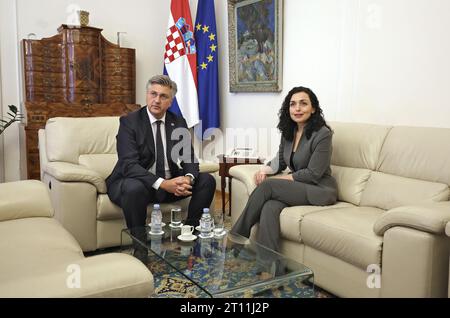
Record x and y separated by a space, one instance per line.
306 149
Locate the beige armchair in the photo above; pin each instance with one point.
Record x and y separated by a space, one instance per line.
447 231
76 156
385 236
39 258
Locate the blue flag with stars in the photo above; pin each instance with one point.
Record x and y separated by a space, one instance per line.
207 64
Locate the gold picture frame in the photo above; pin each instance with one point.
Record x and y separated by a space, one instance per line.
255 38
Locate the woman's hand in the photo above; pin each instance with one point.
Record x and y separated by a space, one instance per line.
261 175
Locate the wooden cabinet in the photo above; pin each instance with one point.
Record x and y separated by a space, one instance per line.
76 73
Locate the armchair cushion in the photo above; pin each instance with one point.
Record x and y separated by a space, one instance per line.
68 138
106 210
431 218
24 199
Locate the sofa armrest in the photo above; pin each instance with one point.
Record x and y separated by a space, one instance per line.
431 218
24 199
246 174
69 172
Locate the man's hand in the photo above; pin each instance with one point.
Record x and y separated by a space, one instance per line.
179 186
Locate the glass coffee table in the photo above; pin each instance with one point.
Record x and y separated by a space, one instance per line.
226 266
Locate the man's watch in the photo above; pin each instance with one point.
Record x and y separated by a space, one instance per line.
192 178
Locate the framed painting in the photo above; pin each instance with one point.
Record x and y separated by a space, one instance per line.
255 39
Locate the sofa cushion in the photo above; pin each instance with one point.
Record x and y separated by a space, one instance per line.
30 246
351 183
418 153
386 191
291 219
68 138
345 233
357 145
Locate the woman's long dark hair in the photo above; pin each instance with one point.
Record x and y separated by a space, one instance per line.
287 126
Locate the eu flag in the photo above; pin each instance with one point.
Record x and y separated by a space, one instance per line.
207 64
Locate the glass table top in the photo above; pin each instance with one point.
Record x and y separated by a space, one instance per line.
222 266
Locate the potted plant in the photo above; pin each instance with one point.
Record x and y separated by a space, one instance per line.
13 115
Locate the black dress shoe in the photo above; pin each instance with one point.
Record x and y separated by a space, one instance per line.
141 254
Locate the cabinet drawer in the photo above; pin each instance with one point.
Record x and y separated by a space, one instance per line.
43 49
33 96
45 79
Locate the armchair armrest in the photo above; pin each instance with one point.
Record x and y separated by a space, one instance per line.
245 173
431 218
24 199
69 172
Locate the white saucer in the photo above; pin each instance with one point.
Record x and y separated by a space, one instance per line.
187 238
175 227
220 234
162 224
153 233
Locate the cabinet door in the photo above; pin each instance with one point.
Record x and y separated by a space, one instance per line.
118 75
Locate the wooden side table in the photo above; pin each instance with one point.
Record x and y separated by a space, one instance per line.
225 163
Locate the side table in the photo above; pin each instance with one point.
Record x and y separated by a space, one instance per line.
225 163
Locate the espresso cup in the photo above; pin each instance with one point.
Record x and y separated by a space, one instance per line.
186 230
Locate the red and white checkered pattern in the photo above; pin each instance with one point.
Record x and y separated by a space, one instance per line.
174 45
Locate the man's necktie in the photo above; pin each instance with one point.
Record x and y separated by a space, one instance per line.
160 171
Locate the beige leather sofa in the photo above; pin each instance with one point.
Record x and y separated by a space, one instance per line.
385 237
39 258
76 156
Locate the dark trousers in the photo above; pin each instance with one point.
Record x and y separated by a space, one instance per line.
264 207
133 197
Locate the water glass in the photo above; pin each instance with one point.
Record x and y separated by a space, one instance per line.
219 227
175 217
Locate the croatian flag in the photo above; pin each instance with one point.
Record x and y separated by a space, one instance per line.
180 61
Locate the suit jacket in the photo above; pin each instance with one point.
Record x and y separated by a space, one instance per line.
136 148
310 165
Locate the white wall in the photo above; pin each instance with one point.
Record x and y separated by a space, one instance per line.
376 61
12 145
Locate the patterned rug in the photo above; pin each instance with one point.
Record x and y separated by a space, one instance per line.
172 284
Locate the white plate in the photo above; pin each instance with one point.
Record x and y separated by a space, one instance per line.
162 224
187 238
153 233
175 227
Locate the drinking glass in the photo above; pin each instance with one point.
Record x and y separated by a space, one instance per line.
175 217
219 227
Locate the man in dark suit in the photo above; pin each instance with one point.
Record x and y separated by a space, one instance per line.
150 144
